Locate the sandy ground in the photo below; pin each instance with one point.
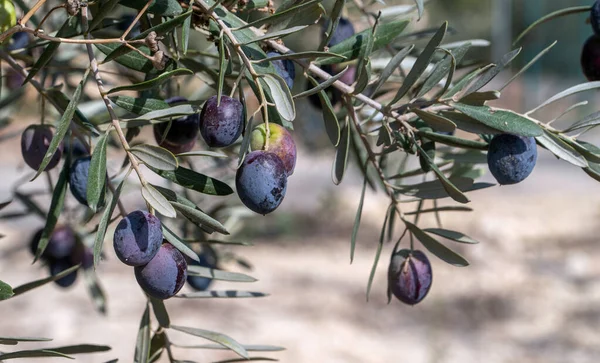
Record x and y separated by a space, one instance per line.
531 293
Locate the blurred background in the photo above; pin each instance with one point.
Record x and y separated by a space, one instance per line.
531 294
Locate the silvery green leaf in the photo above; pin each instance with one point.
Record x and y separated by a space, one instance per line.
97 174
156 157
561 149
281 96
451 235
158 201
226 294
568 92
438 249
219 338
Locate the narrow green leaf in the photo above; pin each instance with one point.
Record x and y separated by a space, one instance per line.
227 294
103 11
439 250
185 34
378 251
81 349
451 235
139 106
486 77
437 122
529 64
341 157
284 14
170 112
215 274
332 125
357 219
480 98
156 157
192 180
300 55
322 86
444 68
40 353
249 348
351 47
222 65
179 244
56 209
421 63
561 149
502 120
103 224
588 121
142 345
62 126
287 16
198 217
160 311
37 283
568 92
152 83
460 85
392 65
158 7
435 189
157 346
97 174
588 151
16 340
219 338
334 20
212 154
419 4
158 201
95 290
453 191
6 292
61 100
454 141
281 96
468 124
441 209
132 60
553 15
276 34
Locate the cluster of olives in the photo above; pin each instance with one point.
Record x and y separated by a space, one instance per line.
64 250
590 55
160 269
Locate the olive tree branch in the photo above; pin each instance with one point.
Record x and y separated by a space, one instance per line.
114 119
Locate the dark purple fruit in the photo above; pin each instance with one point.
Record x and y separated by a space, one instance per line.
511 158
83 255
595 17
78 179
343 31
590 58
62 242
409 276
200 283
221 126
261 181
60 265
137 238
285 68
35 141
181 135
18 40
164 275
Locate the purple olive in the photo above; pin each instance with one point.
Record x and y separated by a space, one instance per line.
164 275
35 141
137 238
261 181
409 276
221 126
182 133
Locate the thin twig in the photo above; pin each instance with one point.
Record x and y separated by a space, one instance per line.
113 117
